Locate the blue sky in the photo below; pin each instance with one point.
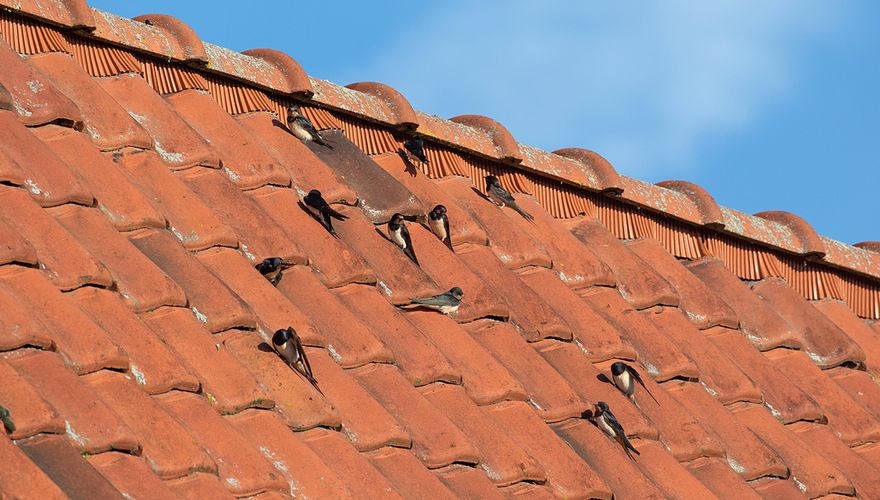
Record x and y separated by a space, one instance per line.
767 105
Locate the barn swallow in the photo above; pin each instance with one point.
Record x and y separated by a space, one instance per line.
446 303
6 417
416 147
501 197
606 421
289 346
302 127
271 269
439 224
321 210
399 234
625 378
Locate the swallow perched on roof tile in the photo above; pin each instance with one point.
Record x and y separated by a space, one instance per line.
6 417
289 346
271 269
607 422
321 210
501 197
625 378
302 127
399 234
439 224
447 303
415 146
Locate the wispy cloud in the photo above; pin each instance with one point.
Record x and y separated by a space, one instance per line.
642 83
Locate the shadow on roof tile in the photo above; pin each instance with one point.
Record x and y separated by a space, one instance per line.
130 475
66 467
199 486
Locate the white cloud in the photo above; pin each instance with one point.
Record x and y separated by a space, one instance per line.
642 83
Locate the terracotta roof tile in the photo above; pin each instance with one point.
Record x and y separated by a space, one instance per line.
243 161
701 304
35 104
811 471
353 468
860 386
482 376
436 441
399 278
750 457
501 459
335 263
189 220
29 411
22 478
414 354
142 284
718 477
637 281
14 247
64 465
407 474
529 491
168 448
90 424
670 477
18 328
117 198
599 339
856 329
826 344
787 402
306 170
84 346
174 140
592 386
531 313
468 483
305 473
554 399
130 476
777 489
302 406
226 382
62 257
717 372
211 301
106 123
869 452
272 309
758 321
567 474
661 357
259 237
851 423
864 475
199 486
242 468
348 340
513 246
606 457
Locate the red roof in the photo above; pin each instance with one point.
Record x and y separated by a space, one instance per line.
144 174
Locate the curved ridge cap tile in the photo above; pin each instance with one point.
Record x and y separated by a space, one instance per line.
661 199
856 258
295 76
706 204
501 137
71 13
6 99
359 103
406 115
760 230
812 245
873 246
559 167
186 37
136 35
609 179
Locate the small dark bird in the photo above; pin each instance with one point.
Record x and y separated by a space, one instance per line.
271 269
447 303
605 420
6 417
625 378
289 346
321 210
399 234
303 128
501 197
416 147
439 224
